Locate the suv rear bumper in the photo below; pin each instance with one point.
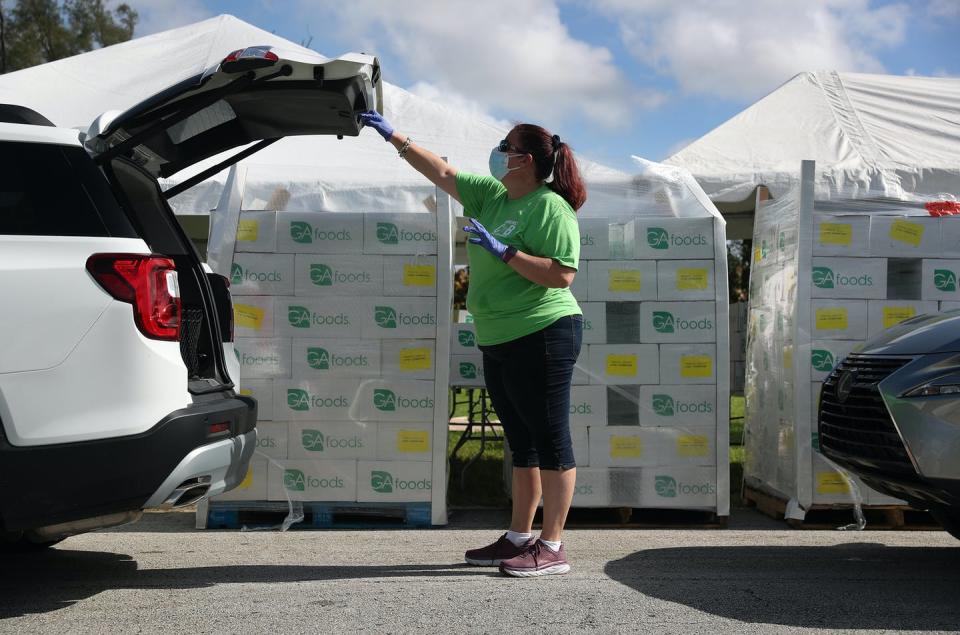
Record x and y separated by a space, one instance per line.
45 485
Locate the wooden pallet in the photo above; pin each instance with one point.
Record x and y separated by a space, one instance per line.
640 518
821 517
263 515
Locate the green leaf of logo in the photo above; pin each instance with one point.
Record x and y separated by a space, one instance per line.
823 277
381 482
944 280
658 238
385 316
665 486
663 405
298 399
298 316
468 370
466 338
822 360
318 358
236 274
321 275
663 321
294 480
387 233
384 400
312 440
301 232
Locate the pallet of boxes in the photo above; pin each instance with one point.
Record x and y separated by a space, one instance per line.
339 331
826 276
650 397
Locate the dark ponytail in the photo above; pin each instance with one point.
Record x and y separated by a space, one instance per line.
551 154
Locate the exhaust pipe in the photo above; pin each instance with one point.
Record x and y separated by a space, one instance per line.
188 492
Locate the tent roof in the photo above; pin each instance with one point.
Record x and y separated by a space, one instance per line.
882 133
71 92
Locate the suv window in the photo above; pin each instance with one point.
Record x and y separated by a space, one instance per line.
52 190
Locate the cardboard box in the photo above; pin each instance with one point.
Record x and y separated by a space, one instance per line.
838 319
624 446
323 400
588 406
263 358
257 232
319 232
623 405
408 359
261 274
688 487
252 488
841 235
626 487
826 354
404 442
463 339
467 370
319 359
580 287
395 400
407 233
787 242
594 239
832 485
949 306
671 238
262 391
674 322
592 488
411 276
694 446
396 481
581 374
623 322
688 364
338 274
883 314
615 280
338 317
939 281
950 236
399 318
594 322
253 316
904 236
623 363
849 278
272 439
667 405
581 446
685 280
332 440
305 480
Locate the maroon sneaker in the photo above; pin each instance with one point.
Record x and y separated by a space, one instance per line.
537 560
493 555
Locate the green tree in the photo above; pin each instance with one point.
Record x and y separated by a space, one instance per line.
38 31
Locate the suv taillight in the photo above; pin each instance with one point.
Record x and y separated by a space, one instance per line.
149 283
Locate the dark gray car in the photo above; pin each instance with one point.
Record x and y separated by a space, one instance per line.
890 414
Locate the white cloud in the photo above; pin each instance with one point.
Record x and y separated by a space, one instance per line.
943 8
160 15
741 50
457 102
511 56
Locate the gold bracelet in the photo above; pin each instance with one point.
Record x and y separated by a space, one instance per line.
403 148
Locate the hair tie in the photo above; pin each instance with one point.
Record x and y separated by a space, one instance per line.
556 142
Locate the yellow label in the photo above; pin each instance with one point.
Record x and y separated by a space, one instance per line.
626 447
696 366
832 483
836 234
893 315
692 279
907 232
622 365
757 255
413 441
624 280
831 319
246 392
788 357
248 317
247 230
415 359
419 275
693 445
247 480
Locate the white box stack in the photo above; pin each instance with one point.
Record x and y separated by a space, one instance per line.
340 319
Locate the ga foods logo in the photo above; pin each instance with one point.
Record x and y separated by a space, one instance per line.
468 370
256 360
384 483
321 359
388 317
505 229
669 487
297 481
302 318
386 400
659 238
825 278
389 234
467 339
822 360
325 276
301 401
944 280
303 233
315 441
238 275
665 406
664 322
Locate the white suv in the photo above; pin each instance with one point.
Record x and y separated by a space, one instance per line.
117 374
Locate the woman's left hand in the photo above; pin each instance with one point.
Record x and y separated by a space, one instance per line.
485 239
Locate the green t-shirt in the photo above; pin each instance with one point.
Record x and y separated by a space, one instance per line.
504 304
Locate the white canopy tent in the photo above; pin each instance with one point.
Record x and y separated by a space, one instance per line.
301 172
878 133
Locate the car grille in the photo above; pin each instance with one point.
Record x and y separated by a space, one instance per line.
859 431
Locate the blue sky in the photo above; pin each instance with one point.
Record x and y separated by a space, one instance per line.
613 77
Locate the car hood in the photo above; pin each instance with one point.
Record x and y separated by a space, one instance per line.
924 334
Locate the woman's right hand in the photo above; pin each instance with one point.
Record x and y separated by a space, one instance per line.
375 120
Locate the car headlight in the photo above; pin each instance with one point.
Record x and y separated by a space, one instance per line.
933 389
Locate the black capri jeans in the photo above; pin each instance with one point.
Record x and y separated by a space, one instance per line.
528 380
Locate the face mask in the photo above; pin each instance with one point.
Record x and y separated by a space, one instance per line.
498 163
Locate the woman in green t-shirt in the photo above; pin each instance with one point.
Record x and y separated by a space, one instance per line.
524 251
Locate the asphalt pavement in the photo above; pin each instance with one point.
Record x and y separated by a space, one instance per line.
756 576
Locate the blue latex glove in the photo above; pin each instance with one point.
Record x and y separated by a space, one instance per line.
375 120
485 239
